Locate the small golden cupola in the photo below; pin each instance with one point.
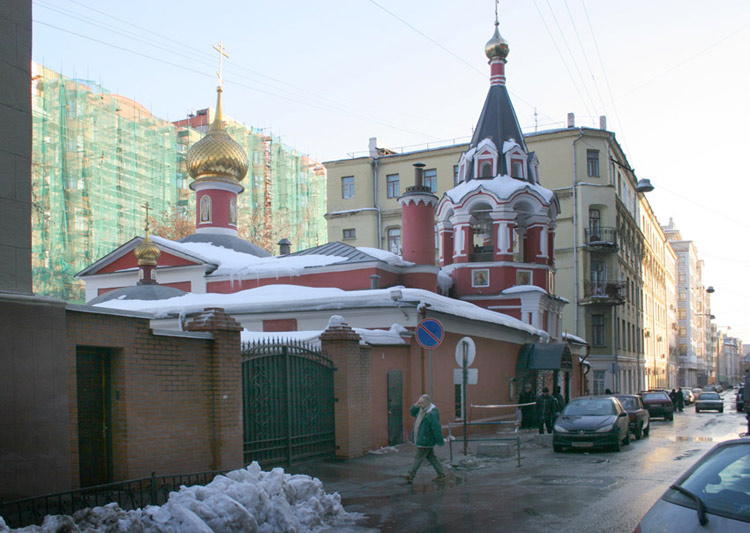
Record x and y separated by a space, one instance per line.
497 47
147 254
217 157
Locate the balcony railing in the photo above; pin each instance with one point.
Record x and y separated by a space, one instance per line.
603 292
601 238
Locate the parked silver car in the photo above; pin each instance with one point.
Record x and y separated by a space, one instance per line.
713 493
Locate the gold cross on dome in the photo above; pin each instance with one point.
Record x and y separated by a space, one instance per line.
222 54
146 206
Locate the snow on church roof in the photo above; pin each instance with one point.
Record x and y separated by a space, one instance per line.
501 186
293 298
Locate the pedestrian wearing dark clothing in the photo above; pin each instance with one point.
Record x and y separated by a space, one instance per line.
528 420
559 397
546 407
425 435
680 400
673 397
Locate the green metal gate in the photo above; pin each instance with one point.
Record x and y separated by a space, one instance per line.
287 408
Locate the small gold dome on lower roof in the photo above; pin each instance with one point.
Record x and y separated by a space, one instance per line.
147 253
217 154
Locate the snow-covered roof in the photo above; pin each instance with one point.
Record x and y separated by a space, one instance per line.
502 187
375 337
572 338
298 298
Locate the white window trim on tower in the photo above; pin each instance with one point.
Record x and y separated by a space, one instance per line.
517 155
486 152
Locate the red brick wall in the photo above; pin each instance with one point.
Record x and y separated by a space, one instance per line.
176 401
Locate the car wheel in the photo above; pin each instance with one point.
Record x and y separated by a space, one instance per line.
697 410
638 433
617 446
557 448
670 417
647 430
626 441
721 410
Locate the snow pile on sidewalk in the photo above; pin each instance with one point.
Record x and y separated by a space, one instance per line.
248 500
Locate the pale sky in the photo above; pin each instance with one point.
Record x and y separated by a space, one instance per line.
670 76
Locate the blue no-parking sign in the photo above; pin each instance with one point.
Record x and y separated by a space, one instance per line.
429 333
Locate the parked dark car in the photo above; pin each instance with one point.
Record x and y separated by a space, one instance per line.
710 401
591 422
658 404
637 414
740 399
713 491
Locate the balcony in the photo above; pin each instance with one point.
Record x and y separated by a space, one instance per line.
482 254
602 239
603 292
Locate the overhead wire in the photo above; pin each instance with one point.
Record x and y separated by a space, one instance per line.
340 109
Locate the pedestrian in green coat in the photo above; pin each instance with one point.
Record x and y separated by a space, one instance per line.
425 435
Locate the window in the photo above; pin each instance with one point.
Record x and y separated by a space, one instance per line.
597 330
430 179
516 169
683 314
205 208
350 234
392 185
394 240
485 170
592 163
455 174
233 211
595 224
683 331
598 382
347 187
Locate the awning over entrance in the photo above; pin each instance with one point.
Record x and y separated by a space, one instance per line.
545 356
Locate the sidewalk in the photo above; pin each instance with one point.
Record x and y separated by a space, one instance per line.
374 484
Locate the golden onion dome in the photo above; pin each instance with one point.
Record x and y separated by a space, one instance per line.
496 47
147 252
217 155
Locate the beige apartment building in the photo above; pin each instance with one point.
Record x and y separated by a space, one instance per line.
615 276
694 345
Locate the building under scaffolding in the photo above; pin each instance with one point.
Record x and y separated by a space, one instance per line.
98 157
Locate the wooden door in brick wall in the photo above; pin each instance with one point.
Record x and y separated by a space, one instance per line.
287 404
94 415
395 407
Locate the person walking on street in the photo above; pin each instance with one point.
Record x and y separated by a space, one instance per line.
559 397
673 397
425 435
680 400
546 407
527 412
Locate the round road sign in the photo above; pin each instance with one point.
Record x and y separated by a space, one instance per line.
471 351
429 333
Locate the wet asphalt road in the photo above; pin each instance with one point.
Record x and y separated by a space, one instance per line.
575 491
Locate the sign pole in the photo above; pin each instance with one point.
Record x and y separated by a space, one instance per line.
431 395
466 375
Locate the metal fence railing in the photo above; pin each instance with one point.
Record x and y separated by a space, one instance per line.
129 495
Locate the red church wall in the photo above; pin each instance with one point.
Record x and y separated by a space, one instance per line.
219 209
280 324
347 280
418 237
128 261
420 280
182 285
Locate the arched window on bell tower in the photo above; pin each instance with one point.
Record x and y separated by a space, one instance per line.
205 208
233 211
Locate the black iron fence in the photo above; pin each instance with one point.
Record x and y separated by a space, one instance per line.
129 495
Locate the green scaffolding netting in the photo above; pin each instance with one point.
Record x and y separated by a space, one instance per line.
99 157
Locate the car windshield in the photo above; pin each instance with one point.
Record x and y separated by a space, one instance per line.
710 396
594 407
628 403
655 395
722 481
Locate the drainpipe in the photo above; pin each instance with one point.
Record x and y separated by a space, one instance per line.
575 229
379 229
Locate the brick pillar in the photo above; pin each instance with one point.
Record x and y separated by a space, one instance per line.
352 386
226 386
